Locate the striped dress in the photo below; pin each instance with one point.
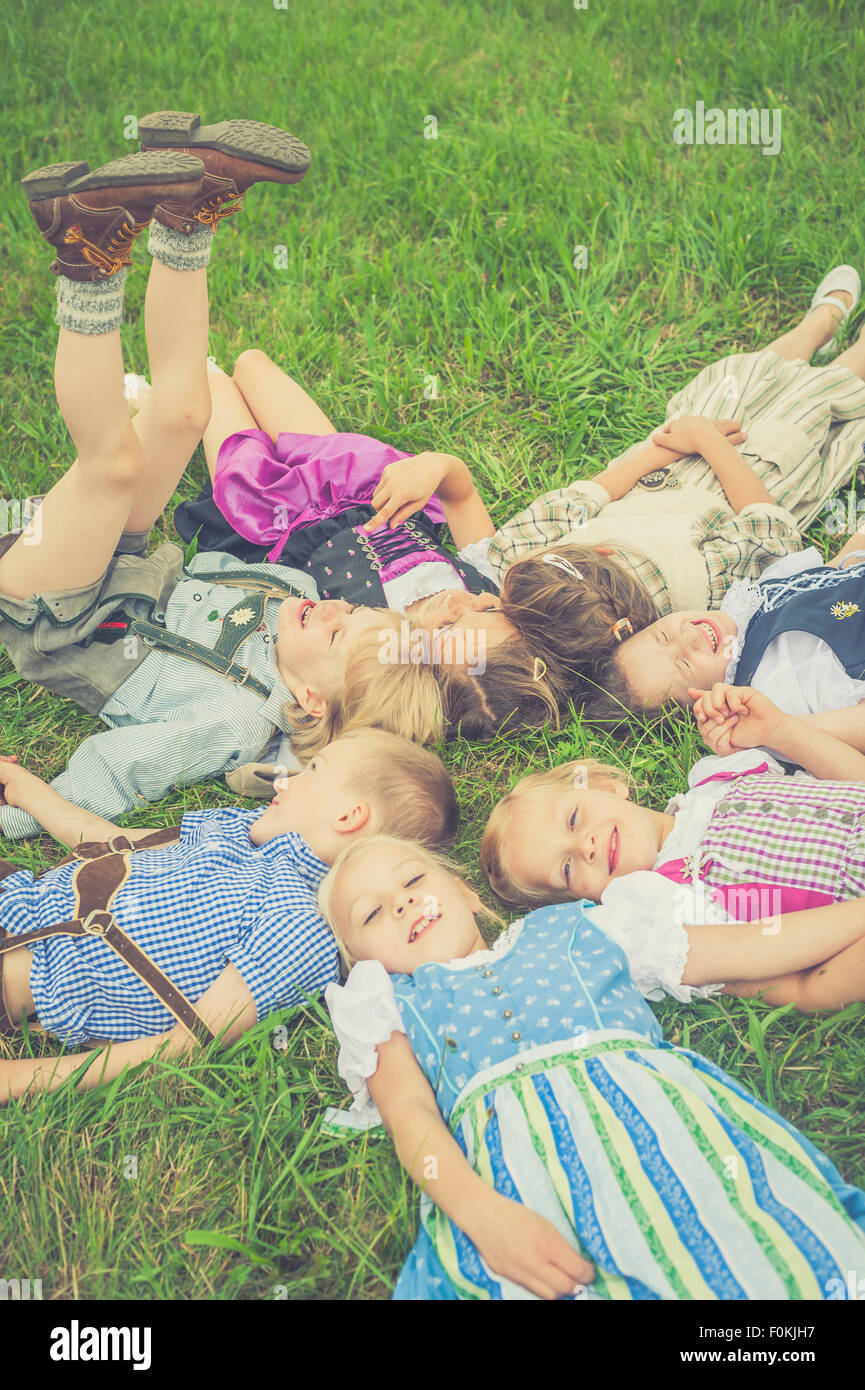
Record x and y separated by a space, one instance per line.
555 1080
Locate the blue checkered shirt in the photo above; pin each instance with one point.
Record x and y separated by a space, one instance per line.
212 899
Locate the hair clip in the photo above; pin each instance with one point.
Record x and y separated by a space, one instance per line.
540 669
623 625
562 564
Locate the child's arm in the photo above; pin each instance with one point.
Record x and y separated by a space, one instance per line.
227 1004
731 718
408 484
68 823
659 452
854 543
515 1242
830 985
772 946
120 769
700 435
847 724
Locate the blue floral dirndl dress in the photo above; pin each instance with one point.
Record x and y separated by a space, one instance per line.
553 1075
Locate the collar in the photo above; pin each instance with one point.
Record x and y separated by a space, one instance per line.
279 697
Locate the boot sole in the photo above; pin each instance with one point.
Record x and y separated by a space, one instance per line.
264 144
151 166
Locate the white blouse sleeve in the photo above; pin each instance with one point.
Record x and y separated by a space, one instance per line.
477 553
645 913
364 1014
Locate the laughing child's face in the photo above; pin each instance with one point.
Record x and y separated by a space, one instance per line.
313 642
678 651
392 904
572 842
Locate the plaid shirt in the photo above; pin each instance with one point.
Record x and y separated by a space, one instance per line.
730 546
212 899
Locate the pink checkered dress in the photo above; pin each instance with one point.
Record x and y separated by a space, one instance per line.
777 845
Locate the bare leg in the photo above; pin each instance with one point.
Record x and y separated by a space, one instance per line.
83 515
228 414
171 422
277 402
812 331
853 356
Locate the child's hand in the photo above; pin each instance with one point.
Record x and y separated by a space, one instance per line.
406 486
687 434
527 1249
732 717
13 781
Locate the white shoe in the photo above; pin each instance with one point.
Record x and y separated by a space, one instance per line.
843 277
136 390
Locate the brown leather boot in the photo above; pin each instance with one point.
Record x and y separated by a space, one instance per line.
235 154
93 218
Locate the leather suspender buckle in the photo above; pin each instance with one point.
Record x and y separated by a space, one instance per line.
96 923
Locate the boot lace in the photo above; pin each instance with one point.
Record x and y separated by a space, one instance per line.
212 210
116 254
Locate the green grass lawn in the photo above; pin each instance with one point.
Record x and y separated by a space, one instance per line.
408 258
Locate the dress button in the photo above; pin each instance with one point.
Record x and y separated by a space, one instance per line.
487 974
723 805
497 989
819 813
521 1066
847 818
508 1013
766 806
196 598
516 1036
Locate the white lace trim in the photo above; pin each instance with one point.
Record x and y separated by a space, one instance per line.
645 913
365 1013
745 598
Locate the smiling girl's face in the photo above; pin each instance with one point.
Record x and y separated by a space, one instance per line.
571 842
678 651
391 904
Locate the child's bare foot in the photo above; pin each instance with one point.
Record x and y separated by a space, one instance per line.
235 154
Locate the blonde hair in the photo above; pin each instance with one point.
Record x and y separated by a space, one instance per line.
497 833
430 857
399 697
408 787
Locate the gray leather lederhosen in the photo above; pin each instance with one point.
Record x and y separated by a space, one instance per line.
52 649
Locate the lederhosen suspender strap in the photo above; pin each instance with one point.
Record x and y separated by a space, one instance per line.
238 624
95 882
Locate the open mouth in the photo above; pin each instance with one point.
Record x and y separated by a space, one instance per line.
711 631
304 609
613 851
422 925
